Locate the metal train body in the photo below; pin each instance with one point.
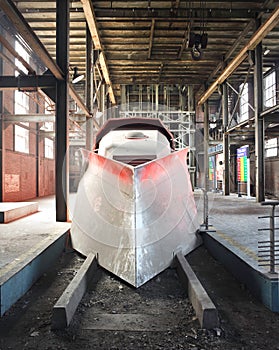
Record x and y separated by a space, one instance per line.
135 207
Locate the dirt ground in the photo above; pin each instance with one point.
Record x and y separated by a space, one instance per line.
158 315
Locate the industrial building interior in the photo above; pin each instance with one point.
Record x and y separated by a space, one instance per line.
216 59
209 70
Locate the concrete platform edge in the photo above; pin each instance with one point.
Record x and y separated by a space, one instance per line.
65 308
20 210
204 307
22 275
264 288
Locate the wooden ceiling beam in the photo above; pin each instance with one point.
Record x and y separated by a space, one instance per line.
92 24
263 30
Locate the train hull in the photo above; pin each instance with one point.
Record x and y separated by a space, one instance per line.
135 218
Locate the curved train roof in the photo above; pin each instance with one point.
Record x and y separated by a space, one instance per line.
132 124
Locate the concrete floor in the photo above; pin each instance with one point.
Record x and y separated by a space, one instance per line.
25 234
236 220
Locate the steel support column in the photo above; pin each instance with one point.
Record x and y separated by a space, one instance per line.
157 97
102 103
182 95
259 128
123 98
2 145
206 141
89 88
226 140
62 110
192 134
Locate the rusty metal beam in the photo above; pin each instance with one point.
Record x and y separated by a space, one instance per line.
92 25
264 29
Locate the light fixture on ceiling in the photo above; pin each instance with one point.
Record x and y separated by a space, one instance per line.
77 77
266 51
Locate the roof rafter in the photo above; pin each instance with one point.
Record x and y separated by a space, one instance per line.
92 24
263 30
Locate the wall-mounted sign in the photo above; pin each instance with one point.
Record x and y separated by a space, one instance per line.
242 163
216 149
219 166
211 167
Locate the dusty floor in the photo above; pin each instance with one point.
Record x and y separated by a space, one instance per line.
158 315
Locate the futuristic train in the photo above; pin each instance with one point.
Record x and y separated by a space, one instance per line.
134 205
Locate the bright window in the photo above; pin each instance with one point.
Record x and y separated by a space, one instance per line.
49 146
23 53
21 139
271 147
21 99
244 105
21 102
270 90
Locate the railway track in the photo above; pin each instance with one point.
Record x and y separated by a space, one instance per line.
159 315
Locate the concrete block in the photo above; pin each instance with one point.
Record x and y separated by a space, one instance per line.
10 211
205 309
64 309
17 277
264 286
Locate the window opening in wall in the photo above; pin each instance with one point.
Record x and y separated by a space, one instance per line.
49 148
21 138
24 54
21 102
270 89
244 102
21 105
271 147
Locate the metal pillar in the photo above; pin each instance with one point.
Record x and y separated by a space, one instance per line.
157 96
102 102
191 104
123 97
140 97
89 88
62 109
206 166
192 134
2 145
38 154
183 99
206 141
226 140
259 128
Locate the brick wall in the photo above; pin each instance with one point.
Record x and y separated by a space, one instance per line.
19 176
46 174
21 180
